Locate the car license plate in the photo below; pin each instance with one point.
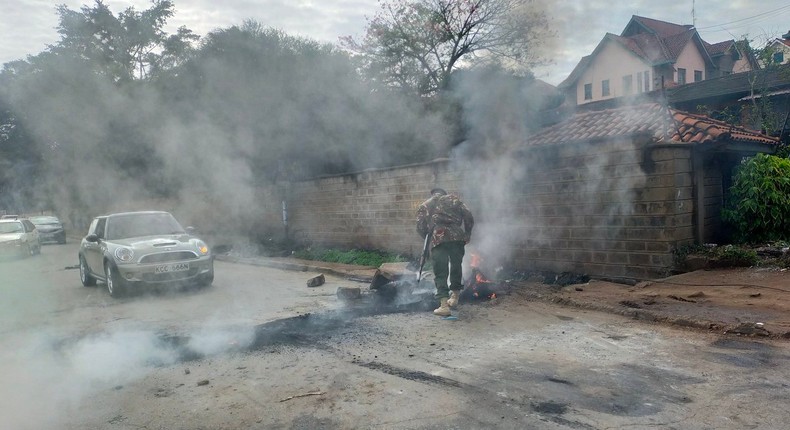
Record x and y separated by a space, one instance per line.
168 268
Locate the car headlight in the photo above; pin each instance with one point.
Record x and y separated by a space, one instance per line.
124 254
202 247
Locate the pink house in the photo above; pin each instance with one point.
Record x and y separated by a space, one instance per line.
650 54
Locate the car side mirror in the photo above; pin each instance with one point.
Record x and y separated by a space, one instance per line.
92 237
190 230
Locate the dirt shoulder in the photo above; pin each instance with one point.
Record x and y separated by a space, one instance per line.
738 301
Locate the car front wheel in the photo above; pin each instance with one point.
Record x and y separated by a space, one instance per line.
85 276
115 284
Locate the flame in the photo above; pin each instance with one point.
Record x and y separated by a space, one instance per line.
479 278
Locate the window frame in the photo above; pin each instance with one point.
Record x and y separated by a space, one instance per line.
588 91
628 85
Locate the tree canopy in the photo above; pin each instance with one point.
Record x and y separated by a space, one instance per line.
131 45
417 44
119 110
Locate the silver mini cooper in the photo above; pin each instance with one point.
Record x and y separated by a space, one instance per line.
129 249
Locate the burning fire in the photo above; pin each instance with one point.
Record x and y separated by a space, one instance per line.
481 286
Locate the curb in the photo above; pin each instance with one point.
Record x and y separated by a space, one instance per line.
298 267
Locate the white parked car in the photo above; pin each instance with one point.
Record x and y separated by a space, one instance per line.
18 237
131 249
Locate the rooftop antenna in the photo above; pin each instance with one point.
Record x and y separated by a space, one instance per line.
693 14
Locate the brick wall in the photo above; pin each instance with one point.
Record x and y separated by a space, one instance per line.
598 209
374 209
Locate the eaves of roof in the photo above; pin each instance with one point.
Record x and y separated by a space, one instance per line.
645 46
735 85
629 44
581 66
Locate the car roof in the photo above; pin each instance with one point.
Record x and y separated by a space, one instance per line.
7 220
133 213
42 217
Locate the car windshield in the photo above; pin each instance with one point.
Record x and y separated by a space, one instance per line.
11 227
137 225
44 220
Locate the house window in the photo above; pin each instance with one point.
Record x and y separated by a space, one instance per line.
587 91
681 76
605 88
697 75
628 84
647 80
639 88
779 57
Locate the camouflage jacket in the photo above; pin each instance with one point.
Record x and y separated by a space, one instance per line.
449 218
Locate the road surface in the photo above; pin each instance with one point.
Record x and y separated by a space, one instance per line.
259 349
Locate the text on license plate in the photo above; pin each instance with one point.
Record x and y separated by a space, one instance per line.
168 268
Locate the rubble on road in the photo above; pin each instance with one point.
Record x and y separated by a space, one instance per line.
316 281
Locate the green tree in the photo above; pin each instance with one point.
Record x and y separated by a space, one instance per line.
86 108
759 203
764 110
417 44
293 107
132 45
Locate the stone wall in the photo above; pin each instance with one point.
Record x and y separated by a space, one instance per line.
373 209
603 209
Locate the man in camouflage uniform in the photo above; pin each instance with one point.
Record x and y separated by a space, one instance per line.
449 221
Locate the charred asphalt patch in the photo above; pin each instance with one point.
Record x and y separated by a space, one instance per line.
307 330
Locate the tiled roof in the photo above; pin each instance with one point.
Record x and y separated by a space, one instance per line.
661 28
660 123
677 42
718 48
694 128
646 46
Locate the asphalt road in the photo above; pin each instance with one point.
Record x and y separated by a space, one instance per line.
261 350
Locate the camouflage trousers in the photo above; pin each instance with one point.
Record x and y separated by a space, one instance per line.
446 259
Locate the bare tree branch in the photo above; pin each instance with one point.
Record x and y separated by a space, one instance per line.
417 44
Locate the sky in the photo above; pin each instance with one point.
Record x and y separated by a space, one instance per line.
28 26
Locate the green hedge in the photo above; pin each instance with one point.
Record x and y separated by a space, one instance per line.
354 256
759 204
